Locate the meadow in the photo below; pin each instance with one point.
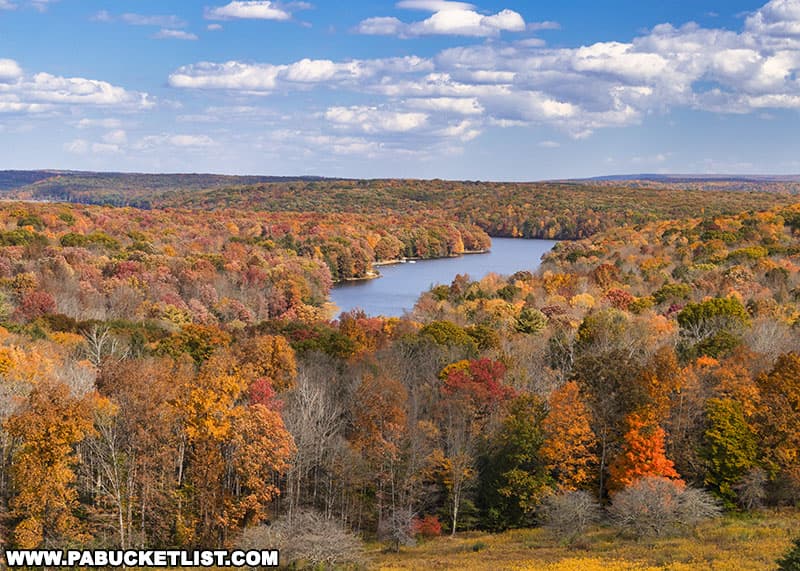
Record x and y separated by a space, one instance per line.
750 542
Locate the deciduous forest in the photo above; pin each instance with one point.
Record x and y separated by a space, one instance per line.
172 373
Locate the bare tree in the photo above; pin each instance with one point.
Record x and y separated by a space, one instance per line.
315 422
102 345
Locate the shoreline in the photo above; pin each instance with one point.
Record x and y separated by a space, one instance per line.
417 259
373 275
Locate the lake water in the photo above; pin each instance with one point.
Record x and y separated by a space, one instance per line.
401 284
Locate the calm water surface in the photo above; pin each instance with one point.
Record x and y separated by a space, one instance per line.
397 291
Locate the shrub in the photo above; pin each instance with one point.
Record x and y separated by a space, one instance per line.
427 527
307 541
570 514
656 506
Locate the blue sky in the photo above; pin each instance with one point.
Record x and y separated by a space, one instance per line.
493 90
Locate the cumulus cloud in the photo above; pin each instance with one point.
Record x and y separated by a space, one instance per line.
160 21
9 70
449 18
166 34
265 78
7 5
776 18
375 120
21 93
461 91
249 10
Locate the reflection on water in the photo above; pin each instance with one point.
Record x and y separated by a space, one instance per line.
401 285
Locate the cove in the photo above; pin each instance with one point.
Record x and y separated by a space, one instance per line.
401 284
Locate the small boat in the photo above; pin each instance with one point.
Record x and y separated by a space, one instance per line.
412 261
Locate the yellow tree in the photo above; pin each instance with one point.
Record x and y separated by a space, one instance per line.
47 428
569 439
778 419
226 439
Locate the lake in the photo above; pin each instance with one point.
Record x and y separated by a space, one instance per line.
401 284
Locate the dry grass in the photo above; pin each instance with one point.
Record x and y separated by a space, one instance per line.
733 543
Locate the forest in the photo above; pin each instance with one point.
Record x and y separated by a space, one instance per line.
174 375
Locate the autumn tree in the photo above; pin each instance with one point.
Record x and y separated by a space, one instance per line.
642 453
224 441
44 504
569 442
778 419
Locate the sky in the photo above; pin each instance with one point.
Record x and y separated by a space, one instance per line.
492 90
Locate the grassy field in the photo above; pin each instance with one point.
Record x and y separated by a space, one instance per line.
730 544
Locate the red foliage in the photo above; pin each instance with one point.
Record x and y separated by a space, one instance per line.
479 381
429 526
619 298
35 304
261 392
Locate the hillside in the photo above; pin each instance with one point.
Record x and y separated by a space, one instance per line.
561 210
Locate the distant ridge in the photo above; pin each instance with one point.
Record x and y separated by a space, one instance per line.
678 178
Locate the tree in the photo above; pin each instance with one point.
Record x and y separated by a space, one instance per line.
48 429
730 447
712 327
642 453
569 442
270 357
778 419
232 452
514 473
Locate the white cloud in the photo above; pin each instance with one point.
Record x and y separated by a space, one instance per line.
166 34
374 120
44 87
116 137
108 123
21 93
77 146
255 10
549 144
381 26
168 21
434 5
105 148
776 18
9 70
449 18
7 5
265 78
546 25
459 105
228 75
214 27
412 102
190 141
152 142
